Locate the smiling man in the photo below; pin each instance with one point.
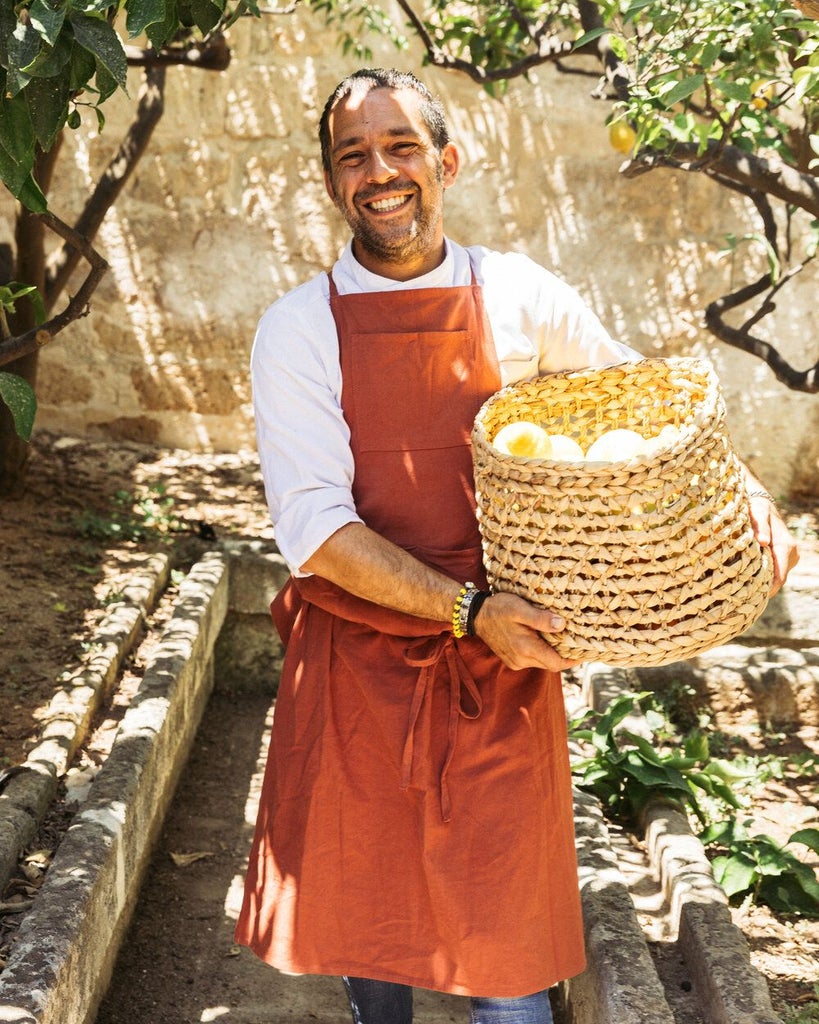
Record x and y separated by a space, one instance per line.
416 824
386 171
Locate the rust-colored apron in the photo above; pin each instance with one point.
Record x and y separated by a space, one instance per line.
415 822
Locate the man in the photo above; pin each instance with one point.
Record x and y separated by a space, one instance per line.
415 826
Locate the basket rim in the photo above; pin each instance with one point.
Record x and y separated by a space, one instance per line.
703 416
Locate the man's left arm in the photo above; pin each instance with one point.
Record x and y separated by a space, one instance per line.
771 531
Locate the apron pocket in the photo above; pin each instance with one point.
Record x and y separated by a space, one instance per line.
440 415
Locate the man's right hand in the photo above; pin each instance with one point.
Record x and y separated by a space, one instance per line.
514 629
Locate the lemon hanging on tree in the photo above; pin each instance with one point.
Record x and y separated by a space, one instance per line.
622 136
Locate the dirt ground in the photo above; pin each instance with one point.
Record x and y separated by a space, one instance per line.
91 508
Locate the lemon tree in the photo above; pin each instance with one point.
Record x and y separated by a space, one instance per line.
724 88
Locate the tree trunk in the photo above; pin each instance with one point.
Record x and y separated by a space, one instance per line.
30 268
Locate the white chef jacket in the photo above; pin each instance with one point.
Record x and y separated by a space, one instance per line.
539 325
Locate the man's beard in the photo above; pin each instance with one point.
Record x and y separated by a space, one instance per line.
406 242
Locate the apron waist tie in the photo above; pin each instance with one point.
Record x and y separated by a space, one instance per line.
426 655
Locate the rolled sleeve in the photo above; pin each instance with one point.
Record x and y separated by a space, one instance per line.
302 436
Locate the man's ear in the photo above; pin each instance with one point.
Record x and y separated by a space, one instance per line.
328 184
450 163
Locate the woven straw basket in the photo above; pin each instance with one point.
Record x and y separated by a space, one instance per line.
649 560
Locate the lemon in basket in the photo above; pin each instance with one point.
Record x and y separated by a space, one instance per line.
667 437
524 439
565 449
617 446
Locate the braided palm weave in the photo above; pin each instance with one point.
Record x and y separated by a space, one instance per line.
649 560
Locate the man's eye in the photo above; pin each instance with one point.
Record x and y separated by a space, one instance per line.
351 158
404 147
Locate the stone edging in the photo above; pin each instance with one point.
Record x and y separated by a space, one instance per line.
27 795
715 949
67 944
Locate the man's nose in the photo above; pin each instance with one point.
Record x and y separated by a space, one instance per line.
380 168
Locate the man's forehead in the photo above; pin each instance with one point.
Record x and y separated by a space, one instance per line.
357 107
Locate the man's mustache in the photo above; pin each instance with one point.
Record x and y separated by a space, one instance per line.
367 195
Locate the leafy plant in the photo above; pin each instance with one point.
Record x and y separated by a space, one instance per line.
56 59
757 865
134 517
625 769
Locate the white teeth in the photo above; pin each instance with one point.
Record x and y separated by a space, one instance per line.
387 204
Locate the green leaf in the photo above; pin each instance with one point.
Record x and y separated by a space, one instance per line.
805 80
721 833
735 874
646 750
618 47
206 15
17 131
651 775
21 400
808 837
728 771
106 84
696 746
796 892
142 13
97 36
733 90
634 8
771 858
23 46
13 291
47 20
682 90
31 196
47 100
17 153
52 60
590 36
83 67
160 32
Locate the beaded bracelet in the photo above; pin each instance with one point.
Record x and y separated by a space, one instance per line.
762 494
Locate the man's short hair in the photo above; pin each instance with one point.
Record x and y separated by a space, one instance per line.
432 110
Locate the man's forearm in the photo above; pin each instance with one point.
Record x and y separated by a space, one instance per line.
369 566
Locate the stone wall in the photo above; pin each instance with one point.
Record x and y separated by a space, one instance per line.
227 211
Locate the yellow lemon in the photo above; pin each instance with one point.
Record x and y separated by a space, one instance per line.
616 446
527 440
762 92
622 136
565 449
667 437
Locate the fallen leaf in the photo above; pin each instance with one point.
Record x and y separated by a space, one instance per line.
182 860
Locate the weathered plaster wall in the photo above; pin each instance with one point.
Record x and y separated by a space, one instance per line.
227 211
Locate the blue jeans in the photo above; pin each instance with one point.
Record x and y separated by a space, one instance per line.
383 1002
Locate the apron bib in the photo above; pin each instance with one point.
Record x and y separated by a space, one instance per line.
416 818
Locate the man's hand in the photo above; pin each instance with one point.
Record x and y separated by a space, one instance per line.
513 629
772 533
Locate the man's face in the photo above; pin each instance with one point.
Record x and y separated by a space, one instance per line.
388 180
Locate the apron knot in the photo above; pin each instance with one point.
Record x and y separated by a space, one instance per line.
465 701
